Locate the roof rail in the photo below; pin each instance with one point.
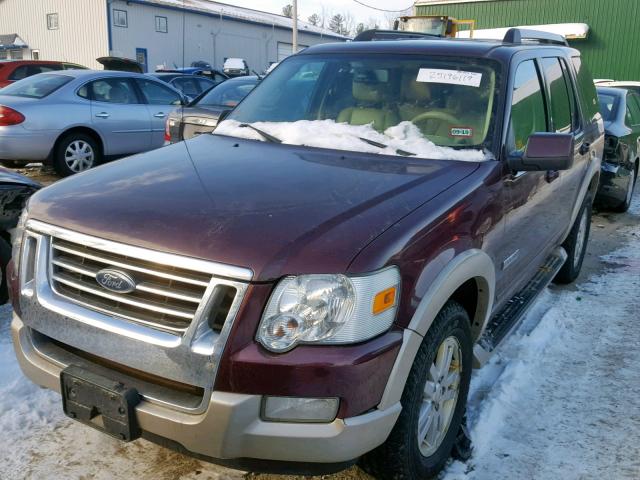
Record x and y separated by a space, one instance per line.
374 35
517 35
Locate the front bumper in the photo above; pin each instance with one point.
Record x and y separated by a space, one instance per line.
231 427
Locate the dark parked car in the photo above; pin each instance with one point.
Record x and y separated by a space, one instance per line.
190 85
201 116
15 190
313 283
14 70
216 75
620 110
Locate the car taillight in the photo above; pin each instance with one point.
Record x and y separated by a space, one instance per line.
9 116
167 131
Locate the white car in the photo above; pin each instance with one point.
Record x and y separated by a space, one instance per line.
235 67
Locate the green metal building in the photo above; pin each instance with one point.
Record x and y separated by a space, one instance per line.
610 49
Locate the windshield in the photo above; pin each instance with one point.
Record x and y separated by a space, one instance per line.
401 101
37 86
608 106
227 94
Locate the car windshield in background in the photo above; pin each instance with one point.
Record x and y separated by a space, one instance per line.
228 94
410 101
608 104
37 86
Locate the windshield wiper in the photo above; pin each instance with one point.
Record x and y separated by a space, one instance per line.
268 137
404 153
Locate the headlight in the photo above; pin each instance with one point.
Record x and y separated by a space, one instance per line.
329 309
17 234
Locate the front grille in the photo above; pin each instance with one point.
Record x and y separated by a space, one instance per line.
165 297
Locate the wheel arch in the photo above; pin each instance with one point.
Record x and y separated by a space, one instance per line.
78 129
469 279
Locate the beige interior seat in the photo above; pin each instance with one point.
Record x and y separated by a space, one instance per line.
369 108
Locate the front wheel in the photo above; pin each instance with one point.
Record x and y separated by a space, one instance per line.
75 153
624 206
433 402
576 245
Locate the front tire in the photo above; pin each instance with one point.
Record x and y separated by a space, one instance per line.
433 403
576 245
624 206
75 153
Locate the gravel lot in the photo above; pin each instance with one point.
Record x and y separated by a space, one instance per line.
556 402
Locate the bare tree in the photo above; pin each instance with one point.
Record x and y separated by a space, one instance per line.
287 10
315 20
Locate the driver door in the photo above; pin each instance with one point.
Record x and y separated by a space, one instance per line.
534 216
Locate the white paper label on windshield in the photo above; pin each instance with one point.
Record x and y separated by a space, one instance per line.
452 77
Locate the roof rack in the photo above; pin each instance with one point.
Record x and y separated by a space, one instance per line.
375 35
521 35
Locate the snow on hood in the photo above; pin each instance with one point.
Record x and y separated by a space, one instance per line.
341 136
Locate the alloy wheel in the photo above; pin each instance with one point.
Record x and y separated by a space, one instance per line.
79 156
440 396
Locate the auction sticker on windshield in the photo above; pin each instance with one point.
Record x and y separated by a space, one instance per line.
452 77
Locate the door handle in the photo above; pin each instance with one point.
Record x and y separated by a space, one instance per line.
159 115
584 148
102 115
551 175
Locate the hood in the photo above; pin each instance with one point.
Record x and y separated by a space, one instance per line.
9 177
120 64
277 209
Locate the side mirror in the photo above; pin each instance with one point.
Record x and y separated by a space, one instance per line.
544 152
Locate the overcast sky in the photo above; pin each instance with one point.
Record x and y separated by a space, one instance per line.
308 7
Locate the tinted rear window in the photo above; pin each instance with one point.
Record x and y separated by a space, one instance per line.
38 86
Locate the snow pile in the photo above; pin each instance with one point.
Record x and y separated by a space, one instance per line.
341 136
559 399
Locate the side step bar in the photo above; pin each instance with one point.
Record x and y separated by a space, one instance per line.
510 316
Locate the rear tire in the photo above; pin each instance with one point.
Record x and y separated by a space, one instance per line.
624 206
576 245
414 450
75 153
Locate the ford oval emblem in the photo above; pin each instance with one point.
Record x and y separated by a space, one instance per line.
115 280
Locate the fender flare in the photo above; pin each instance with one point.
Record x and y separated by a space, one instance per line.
472 264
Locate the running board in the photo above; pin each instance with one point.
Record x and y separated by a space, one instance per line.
514 311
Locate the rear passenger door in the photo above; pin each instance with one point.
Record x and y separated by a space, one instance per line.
160 101
534 216
119 115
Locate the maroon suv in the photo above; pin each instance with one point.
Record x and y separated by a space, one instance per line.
313 283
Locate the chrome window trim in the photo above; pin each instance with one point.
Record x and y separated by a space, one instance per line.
190 263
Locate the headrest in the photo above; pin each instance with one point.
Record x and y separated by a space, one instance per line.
118 94
414 91
367 92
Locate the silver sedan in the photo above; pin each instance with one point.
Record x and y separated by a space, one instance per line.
77 118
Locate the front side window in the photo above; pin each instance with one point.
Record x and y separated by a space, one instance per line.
157 94
408 100
52 21
161 24
37 87
120 18
528 114
19 73
113 90
634 107
589 98
559 93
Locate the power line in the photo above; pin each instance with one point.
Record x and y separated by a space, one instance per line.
382 9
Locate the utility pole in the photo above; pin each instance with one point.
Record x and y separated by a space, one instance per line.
295 27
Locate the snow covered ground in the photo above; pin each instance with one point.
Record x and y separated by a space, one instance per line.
560 400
